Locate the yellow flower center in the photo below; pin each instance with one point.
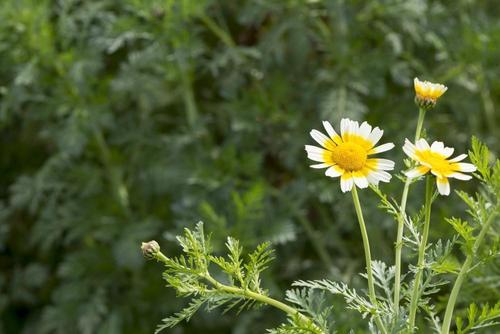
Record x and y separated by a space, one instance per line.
349 156
436 162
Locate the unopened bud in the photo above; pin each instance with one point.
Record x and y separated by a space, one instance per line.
427 93
150 249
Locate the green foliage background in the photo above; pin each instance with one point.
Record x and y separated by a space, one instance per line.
127 120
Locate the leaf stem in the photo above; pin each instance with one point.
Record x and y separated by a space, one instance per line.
368 259
401 219
445 329
248 294
421 252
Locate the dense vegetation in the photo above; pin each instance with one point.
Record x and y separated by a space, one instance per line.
127 120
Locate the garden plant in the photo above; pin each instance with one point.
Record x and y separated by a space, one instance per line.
123 121
393 299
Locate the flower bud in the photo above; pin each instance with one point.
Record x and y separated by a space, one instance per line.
427 93
150 249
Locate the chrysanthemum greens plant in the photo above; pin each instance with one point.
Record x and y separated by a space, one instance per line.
395 302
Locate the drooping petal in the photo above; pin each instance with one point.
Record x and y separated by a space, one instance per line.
360 180
346 182
443 185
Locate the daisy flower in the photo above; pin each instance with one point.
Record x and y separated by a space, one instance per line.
427 93
348 155
434 158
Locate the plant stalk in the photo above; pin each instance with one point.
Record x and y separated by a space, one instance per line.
421 252
247 294
368 258
401 223
445 329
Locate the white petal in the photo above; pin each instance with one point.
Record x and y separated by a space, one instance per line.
346 182
331 132
315 157
460 176
375 135
320 138
319 166
422 144
372 178
466 167
381 175
344 126
314 149
437 147
443 186
315 153
385 164
334 171
416 172
365 129
409 149
361 181
382 148
448 151
458 158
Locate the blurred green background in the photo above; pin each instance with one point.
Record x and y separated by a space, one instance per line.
127 120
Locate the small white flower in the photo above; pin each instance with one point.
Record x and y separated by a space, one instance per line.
434 158
348 155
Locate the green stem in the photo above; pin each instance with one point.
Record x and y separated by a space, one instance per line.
186 75
247 294
401 223
217 31
421 252
368 257
445 329
118 186
258 297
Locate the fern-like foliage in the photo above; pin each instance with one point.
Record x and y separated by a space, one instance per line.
193 274
478 318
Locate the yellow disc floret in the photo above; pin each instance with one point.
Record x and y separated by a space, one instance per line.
437 162
349 156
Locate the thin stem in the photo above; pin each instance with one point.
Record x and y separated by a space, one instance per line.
401 219
420 122
421 251
368 257
159 256
115 179
258 297
445 329
217 31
